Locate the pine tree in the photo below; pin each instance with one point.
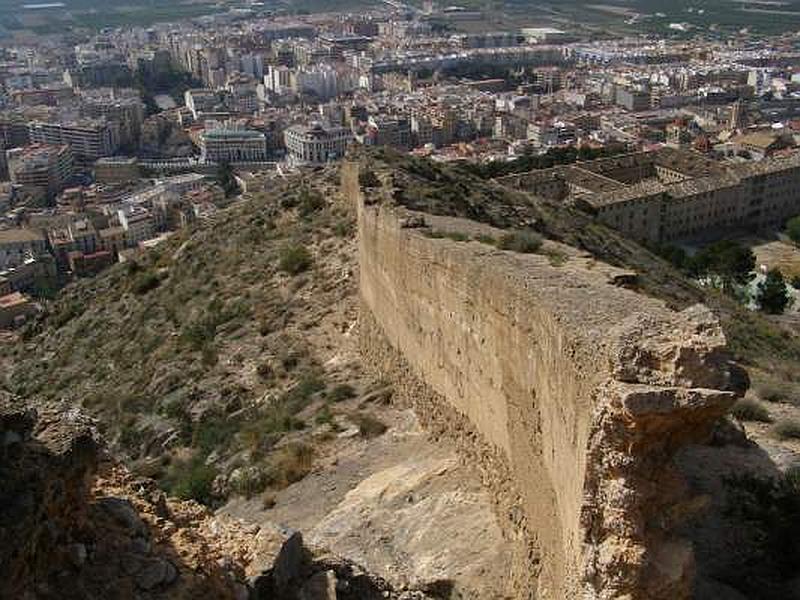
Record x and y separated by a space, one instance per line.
772 295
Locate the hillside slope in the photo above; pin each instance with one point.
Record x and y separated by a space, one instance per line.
224 364
226 340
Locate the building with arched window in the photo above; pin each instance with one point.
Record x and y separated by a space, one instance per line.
233 146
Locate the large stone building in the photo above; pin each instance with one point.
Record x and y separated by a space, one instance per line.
41 168
670 194
233 146
316 144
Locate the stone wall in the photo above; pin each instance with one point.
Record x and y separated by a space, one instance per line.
571 394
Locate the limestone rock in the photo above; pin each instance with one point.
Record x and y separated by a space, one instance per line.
279 559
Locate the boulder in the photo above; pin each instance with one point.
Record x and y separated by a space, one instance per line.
280 558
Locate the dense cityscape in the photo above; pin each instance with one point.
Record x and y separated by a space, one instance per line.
112 140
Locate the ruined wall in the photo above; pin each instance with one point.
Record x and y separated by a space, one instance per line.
569 393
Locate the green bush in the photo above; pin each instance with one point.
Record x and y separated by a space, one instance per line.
747 409
772 392
294 259
787 429
249 482
367 179
343 228
311 201
793 229
524 241
192 482
212 432
145 282
324 416
342 391
199 333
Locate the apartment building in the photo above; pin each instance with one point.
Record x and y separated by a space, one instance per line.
670 194
89 139
137 223
17 245
41 168
233 146
316 144
122 106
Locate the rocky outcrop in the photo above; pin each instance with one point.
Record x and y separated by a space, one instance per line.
571 392
46 461
76 524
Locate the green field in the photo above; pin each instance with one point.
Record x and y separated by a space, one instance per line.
609 16
656 15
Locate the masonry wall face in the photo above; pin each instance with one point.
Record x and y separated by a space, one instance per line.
493 360
526 352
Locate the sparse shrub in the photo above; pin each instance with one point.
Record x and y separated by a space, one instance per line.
173 409
367 179
261 431
132 267
68 312
747 409
343 228
311 201
249 481
787 429
192 482
524 241
268 500
209 356
486 239
213 432
131 437
342 391
199 333
290 360
368 426
145 282
294 259
310 383
556 258
324 416
264 326
290 464
772 392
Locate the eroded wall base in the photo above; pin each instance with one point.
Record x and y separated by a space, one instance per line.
442 421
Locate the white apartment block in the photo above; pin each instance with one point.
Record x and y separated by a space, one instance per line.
316 144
